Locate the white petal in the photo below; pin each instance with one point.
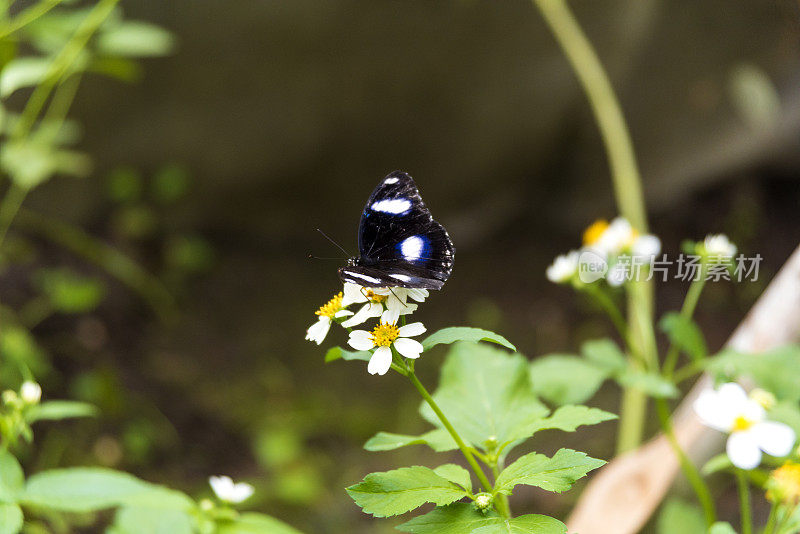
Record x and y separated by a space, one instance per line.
712 412
380 362
352 293
411 329
222 486
646 246
342 313
361 340
317 331
419 295
776 439
410 348
367 311
742 449
240 492
408 309
390 316
732 393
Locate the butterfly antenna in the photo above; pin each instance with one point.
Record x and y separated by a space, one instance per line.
312 257
340 247
405 305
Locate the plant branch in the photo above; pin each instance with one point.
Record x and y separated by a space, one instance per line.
689 470
687 311
743 488
446 423
627 190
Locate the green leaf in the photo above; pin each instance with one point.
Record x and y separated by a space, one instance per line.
464 333
525 524
565 379
569 418
401 490
684 333
255 523
455 474
12 479
59 409
87 489
653 384
137 39
720 462
437 439
69 292
11 518
30 163
458 518
777 371
149 521
338 353
23 72
678 516
486 394
606 354
555 474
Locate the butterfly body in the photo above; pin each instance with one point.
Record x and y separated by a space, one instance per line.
399 242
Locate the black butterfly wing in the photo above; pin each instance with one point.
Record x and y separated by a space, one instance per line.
399 242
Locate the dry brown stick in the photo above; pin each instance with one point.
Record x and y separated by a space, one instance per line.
625 493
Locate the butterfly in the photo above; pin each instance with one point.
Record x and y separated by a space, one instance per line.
399 243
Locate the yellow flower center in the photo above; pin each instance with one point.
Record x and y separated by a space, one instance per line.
384 334
592 234
375 297
741 423
330 308
784 484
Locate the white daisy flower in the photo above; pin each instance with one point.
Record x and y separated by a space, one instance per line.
333 309
563 268
719 247
384 336
376 298
728 409
617 237
30 392
646 246
228 491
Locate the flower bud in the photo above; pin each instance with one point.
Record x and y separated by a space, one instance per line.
30 392
10 397
783 485
763 397
483 501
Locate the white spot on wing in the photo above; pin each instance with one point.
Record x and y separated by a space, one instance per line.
390 181
401 277
411 247
363 277
394 206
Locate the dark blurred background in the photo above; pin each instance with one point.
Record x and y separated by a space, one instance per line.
280 117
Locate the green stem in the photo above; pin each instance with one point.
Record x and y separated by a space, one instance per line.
27 16
687 311
608 305
605 106
61 65
689 470
744 501
773 516
113 261
9 208
627 189
503 505
460 442
687 371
